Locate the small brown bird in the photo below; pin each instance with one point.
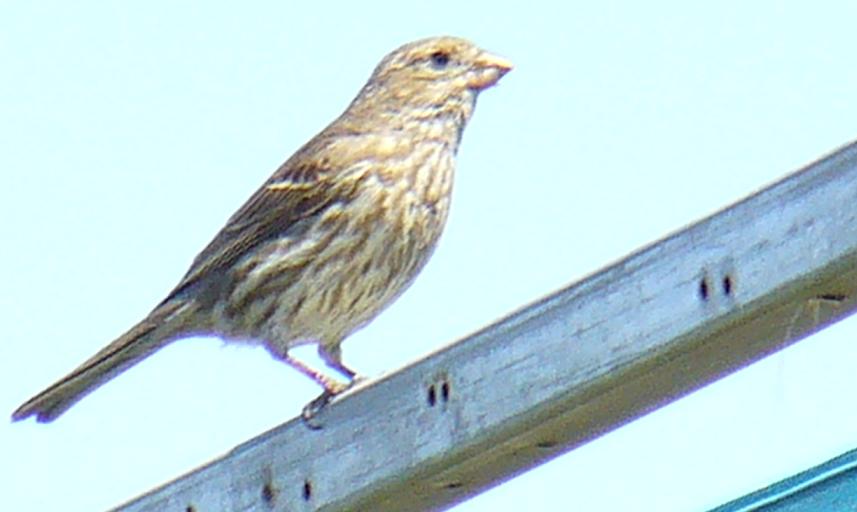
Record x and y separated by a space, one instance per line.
332 238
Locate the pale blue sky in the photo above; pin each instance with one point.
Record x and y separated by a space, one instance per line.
130 134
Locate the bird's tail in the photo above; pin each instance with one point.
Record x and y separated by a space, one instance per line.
162 326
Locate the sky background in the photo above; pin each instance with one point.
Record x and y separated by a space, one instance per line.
129 134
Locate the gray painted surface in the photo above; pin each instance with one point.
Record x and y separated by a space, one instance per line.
666 320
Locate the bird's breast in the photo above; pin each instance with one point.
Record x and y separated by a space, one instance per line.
361 252
403 208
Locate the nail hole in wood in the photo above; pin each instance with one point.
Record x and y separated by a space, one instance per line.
432 396
307 490
727 285
444 391
268 493
190 508
703 288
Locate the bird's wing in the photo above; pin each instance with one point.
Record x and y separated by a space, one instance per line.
299 189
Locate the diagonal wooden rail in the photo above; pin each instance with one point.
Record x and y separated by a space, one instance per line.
664 321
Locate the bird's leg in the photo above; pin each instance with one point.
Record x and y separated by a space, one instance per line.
332 357
330 386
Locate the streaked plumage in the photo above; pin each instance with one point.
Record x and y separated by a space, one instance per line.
335 234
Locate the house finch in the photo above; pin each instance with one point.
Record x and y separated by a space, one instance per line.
332 238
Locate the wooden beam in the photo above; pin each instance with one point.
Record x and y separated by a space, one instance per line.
657 325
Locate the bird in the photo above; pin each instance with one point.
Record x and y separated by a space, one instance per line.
332 238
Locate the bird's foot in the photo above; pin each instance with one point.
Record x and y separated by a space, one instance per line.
311 410
331 389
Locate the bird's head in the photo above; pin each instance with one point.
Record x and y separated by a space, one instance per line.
431 78
442 65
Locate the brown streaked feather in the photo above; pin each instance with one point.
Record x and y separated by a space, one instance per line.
136 344
301 187
296 191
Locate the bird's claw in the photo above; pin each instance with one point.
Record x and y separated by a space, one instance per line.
311 410
331 389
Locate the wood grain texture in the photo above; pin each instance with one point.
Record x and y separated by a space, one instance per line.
666 320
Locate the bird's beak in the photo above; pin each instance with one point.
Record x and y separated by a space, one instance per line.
487 60
489 70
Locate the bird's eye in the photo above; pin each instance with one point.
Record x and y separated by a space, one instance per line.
439 59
